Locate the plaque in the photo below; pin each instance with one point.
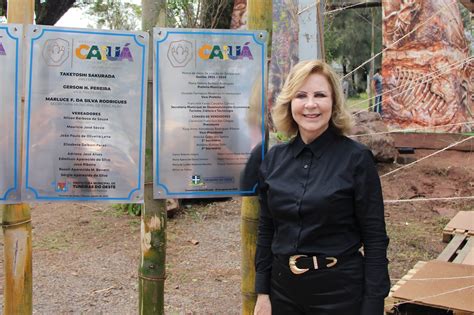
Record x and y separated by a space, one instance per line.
209 110
85 115
10 89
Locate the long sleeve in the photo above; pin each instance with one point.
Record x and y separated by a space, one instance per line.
263 256
369 211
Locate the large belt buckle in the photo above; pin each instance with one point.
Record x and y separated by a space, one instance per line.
332 263
292 263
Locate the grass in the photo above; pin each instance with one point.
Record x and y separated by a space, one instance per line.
412 240
357 102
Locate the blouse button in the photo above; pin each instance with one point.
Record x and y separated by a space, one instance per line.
305 166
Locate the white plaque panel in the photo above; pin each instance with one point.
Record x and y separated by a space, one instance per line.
10 90
209 110
85 115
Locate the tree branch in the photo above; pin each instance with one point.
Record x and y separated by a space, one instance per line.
49 12
3 7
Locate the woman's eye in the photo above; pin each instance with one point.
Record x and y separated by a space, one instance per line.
300 95
319 95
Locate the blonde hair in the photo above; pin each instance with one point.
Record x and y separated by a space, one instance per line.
341 119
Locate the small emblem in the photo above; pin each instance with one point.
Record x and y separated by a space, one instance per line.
180 53
196 180
60 186
55 51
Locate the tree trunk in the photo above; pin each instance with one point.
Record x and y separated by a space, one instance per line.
153 222
47 13
153 14
259 17
16 220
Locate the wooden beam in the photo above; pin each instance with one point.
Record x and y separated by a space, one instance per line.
354 4
432 141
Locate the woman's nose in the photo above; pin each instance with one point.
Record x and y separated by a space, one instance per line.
311 102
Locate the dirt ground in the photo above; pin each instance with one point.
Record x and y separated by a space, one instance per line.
85 256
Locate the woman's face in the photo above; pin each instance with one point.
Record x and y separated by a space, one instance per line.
311 107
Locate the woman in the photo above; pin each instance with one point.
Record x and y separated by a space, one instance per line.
321 201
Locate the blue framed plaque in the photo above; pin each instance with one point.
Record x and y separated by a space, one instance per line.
209 103
85 115
10 93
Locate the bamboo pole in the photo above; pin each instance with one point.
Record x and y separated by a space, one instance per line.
21 11
18 286
151 272
249 226
16 219
259 17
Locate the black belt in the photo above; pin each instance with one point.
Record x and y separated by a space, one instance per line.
301 263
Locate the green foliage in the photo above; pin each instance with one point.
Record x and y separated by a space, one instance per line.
348 36
465 16
358 102
200 13
281 137
3 7
181 13
114 14
133 209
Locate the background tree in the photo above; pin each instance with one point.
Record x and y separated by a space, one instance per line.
3 7
114 14
200 13
347 40
47 12
50 11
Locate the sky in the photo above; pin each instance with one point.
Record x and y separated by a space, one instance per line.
74 17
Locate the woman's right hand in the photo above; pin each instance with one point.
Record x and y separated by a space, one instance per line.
263 305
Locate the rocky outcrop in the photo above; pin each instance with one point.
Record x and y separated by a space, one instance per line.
370 130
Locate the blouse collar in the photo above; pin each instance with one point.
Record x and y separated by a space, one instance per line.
318 145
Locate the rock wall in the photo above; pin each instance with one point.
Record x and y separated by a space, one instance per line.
427 73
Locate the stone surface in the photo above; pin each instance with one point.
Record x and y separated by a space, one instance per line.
370 130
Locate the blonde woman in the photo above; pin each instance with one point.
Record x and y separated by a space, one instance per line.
321 202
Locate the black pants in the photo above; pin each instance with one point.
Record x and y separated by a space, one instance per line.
332 291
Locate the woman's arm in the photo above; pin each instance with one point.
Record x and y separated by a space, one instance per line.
263 255
369 210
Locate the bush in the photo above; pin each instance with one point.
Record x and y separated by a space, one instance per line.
134 209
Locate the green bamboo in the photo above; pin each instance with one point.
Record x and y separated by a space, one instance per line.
16 219
152 271
248 230
259 18
18 286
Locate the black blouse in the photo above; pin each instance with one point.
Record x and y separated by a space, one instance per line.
323 198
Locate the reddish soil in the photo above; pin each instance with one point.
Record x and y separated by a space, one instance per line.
85 256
